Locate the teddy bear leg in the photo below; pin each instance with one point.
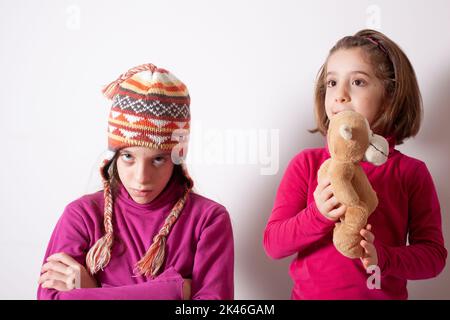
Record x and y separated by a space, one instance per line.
346 236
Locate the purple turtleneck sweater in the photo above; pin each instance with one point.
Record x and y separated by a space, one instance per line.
408 210
199 246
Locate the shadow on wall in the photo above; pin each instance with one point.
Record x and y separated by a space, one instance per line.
266 278
269 278
433 140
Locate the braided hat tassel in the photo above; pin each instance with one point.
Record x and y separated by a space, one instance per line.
99 255
152 261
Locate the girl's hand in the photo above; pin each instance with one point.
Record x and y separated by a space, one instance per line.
187 289
370 252
63 273
326 202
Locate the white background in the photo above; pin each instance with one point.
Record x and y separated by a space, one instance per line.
249 65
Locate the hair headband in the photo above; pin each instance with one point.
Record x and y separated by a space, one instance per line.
377 43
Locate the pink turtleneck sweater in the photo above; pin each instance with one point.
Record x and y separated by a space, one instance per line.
199 246
408 210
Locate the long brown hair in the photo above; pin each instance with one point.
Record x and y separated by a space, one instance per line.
402 110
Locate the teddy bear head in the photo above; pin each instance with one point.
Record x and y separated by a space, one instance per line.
348 136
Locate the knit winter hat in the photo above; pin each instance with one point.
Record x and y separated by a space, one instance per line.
151 109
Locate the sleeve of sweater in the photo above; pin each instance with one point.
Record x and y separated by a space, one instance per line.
294 225
213 270
425 255
71 236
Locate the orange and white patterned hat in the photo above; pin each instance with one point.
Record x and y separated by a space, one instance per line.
150 108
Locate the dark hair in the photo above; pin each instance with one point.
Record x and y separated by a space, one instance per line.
401 115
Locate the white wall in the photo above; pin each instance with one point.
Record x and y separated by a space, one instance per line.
249 65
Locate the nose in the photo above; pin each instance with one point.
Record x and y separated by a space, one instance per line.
142 173
342 95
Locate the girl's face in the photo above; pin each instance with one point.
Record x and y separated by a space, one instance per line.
352 85
144 172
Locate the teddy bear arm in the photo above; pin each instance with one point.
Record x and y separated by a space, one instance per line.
323 170
366 192
356 217
343 189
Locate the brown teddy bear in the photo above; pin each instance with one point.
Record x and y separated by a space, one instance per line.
350 141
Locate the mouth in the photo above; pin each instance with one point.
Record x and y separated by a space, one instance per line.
341 108
335 111
140 193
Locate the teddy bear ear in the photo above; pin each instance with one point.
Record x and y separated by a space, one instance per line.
345 131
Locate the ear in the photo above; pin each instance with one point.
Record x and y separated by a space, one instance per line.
345 131
378 150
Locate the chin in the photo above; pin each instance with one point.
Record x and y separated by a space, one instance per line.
143 200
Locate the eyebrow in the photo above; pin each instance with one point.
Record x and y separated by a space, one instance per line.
353 72
161 154
153 156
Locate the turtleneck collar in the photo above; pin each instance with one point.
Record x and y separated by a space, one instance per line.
170 194
391 141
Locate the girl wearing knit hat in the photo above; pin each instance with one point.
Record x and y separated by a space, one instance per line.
146 235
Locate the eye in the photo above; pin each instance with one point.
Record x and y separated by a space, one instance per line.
359 82
331 83
159 161
126 157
